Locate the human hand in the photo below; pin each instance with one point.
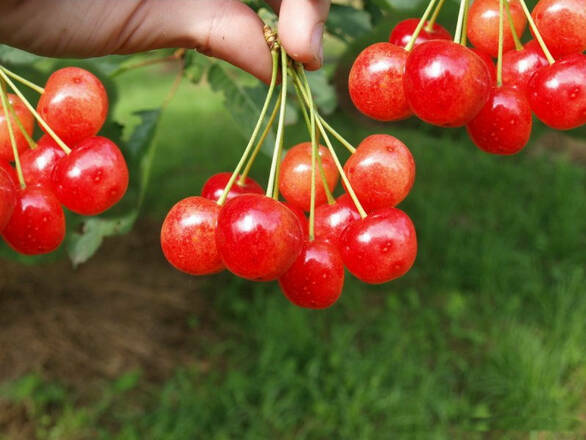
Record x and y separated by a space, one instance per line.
226 29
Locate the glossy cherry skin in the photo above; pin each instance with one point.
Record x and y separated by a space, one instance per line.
557 93
37 225
303 221
7 198
214 187
488 61
402 32
376 82
258 238
503 126
483 25
445 83
381 171
28 122
74 104
520 65
38 164
188 236
316 278
295 176
380 247
562 24
331 220
91 179
4 165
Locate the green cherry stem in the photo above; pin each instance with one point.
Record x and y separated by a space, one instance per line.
459 26
546 52
499 63
314 154
422 21
40 120
432 20
24 81
32 144
518 44
4 98
464 38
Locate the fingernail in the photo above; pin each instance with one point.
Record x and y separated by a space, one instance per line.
316 42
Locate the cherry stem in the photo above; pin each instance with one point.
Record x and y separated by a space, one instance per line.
4 98
301 99
499 63
275 56
24 81
459 27
40 120
272 188
546 52
518 44
314 153
463 40
432 20
175 86
177 56
32 144
420 25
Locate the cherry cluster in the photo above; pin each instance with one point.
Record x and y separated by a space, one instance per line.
236 225
422 71
70 166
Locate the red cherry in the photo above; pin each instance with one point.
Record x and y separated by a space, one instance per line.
7 198
402 32
557 93
188 236
303 222
376 82
381 171
74 104
562 24
295 176
258 238
483 25
520 65
37 225
28 122
445 83
380 247
91 179
331 220
503 126
214 187
316 278
4 165
489 63
38 164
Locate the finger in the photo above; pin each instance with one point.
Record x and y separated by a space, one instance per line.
225 29
301 27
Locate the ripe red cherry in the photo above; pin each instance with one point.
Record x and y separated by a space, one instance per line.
402 32
520 65
445 83
331 220
483 25
488 61
188 236
37 225
7 198
91 179
74 104
562 24
503 126
38 164
380 247
28 122
557 93
316 278
258 238
381 171
214 187
4 165
303 222
376 82
295 176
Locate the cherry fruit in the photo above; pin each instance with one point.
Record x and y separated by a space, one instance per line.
214 187
7 198
316 278
303 222
403 31
331 220
488 61
446 84
37 225
257 237
91 179
5 165
380 247
38 164
188 236
520 65
74 104
26 119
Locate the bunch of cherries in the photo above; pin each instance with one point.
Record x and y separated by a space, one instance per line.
423 71
238 226
69 165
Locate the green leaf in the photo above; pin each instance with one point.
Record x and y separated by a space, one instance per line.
402 5
11 55
196 65
347 23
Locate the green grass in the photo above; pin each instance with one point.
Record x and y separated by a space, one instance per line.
486 333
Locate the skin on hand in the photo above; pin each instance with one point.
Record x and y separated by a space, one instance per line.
225 29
